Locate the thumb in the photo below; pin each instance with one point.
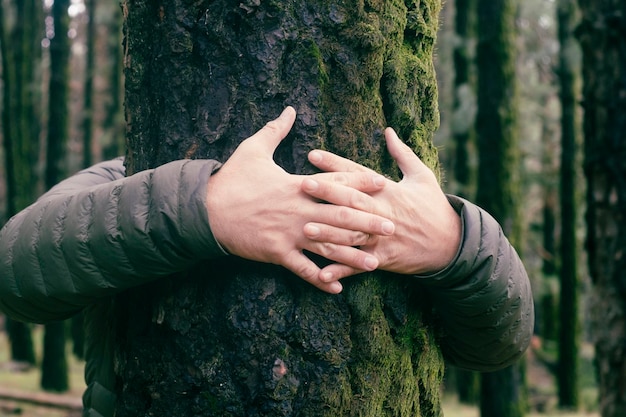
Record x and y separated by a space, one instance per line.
408 162
270 136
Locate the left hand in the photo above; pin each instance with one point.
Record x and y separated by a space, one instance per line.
427 228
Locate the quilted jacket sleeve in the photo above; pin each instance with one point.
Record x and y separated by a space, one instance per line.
98 233
484 297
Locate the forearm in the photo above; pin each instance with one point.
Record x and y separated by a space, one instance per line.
83 241
483 298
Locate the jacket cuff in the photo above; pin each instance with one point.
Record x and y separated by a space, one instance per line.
467 251
193 217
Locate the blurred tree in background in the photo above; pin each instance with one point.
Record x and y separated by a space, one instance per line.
602 35
21 27
569 333
54 373
498 187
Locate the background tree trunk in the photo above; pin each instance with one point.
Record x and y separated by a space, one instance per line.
464 95
90 68
247 339
54 372
602 35
113 124
21 55
569 329
498 186
467 382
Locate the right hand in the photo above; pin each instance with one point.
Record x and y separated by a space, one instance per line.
258 211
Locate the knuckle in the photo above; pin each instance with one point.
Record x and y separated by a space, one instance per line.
358 201
272 125
340 179
306 271
359 238
344 214
327 249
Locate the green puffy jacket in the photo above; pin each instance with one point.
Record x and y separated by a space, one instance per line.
99 233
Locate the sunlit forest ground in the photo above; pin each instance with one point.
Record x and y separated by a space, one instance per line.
541 385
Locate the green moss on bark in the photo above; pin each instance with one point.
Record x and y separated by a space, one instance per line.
250 339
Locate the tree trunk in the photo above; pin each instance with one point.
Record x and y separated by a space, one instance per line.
21 54
498 184
244 339
569 329
464 95
90 68
58 122
467 382
54 373
113 123
602 36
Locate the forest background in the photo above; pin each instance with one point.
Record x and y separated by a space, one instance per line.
91 128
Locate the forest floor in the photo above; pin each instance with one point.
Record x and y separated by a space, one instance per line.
541 387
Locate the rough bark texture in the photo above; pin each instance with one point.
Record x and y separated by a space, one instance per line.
602 35
242 339
498 177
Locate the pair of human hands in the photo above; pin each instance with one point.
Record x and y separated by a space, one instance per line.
349 214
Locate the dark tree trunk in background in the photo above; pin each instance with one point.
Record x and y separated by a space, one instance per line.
58 122
77 332
569 329
113 123
90 68
21 55
548 323
54 376
602 35
200 80
547 313
467 382
20 335
502 392
464 94
54 372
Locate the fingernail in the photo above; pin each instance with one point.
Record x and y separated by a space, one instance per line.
388 228
310 185
285 112
315 156
326 276
336 287
311 230
379 181
371 263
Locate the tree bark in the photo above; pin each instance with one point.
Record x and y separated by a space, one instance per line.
502 392
602 35
243 339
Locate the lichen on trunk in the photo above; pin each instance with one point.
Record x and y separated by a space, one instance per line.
241 339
